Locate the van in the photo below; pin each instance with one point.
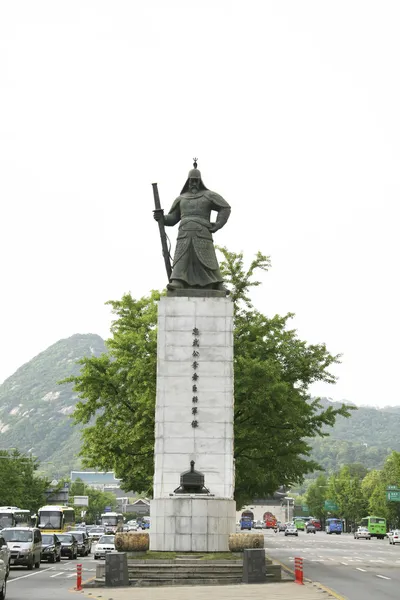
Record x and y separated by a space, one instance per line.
25 544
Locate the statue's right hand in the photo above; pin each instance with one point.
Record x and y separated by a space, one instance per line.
158 214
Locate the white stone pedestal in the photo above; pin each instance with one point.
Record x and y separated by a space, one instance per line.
188 523
194 421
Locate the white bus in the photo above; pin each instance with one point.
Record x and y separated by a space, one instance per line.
112 521
12 516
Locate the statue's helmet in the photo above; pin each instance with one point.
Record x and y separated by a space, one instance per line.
193 174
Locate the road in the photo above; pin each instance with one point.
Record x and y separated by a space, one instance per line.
354 569
50 582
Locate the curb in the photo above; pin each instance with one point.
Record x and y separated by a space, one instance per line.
323 587
317 584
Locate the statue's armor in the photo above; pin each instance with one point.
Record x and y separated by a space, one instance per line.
195 261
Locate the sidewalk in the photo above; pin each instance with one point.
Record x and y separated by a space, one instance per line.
266 591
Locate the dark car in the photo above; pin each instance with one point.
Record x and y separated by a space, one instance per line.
69 545
310 527
84 543
51 547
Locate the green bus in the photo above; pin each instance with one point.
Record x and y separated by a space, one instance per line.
299 523
375 525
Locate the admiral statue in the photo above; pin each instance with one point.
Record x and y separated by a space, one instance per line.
195 264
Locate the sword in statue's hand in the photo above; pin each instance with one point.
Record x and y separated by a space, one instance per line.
159 217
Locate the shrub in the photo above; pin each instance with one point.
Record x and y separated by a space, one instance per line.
132 542
240 541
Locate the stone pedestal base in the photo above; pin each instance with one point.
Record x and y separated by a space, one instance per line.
191 524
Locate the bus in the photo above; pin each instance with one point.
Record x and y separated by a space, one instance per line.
56 519
299 523
112 521
12 516
334 525
246 522
270 520
375 525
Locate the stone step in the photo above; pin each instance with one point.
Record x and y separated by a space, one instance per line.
180 575
186 568
146 582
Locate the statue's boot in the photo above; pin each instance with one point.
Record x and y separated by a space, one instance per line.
221 288
175 284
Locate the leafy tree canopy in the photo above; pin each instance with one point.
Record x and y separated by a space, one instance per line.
19 483
275 417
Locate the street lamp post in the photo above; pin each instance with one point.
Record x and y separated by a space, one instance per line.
288 508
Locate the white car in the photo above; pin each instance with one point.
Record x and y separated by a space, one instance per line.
362 533
104 546
3 579
394 536
291 530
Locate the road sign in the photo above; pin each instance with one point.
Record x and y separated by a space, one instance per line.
330 505
393 496
392 487
81 500
107 509
304 508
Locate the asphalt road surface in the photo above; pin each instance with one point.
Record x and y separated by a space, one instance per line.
354 569
50 582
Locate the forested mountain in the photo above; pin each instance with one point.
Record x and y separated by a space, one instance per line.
35 414
35 410
367 437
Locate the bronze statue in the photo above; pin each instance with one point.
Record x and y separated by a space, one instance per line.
195 264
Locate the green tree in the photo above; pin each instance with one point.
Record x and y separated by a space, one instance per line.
346 491
274 414
373 488
316 496
19 483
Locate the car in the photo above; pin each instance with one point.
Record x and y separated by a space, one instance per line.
394 537
95 533
310 527
362 533
282 526
25 544
104 546
84 543
69 545
3 579
291 530
258 525
51 547
5 554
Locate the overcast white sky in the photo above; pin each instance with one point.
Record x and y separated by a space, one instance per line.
293 110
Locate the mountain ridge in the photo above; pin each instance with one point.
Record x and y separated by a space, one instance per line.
35 415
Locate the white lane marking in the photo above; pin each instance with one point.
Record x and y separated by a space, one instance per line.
345 564
57 574
363 570
73 575
30 574
383 577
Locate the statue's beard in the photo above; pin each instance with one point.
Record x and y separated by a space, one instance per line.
194 189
